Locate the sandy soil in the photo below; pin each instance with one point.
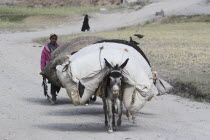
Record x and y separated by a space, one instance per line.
26 115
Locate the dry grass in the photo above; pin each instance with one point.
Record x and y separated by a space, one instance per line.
60 11
179 52
183 18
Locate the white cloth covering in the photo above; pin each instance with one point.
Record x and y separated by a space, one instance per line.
88 67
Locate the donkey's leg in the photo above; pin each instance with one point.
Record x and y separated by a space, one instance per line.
128 114
105 111
133 114
119 108
113 114
109 103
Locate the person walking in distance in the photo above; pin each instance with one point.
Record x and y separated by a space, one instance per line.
85 25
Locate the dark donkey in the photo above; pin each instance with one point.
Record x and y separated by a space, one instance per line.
113 95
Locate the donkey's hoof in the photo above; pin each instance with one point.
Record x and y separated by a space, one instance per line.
134 122
114 128
110 131
118 123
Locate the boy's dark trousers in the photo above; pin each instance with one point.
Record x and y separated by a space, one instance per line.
53 91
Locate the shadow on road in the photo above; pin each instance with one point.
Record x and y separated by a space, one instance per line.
60 101
82 127
78 111
44 101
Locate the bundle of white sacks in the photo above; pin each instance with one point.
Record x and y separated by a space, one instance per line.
88 67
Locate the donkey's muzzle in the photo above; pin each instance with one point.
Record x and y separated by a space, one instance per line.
115 94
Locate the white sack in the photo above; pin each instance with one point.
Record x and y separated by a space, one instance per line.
163 86
88 67
85 63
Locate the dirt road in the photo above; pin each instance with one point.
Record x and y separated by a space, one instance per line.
26 115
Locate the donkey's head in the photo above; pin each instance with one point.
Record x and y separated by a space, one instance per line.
115 77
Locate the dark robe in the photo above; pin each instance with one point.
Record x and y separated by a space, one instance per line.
85 25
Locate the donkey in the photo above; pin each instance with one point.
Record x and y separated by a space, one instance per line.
113 95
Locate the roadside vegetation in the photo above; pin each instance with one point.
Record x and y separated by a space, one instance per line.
183 18
178 49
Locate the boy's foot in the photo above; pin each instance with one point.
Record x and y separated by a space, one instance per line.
53 102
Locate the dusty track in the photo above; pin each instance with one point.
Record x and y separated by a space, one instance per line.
26 115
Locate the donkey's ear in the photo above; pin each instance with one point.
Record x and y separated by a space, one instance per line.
124 64
107 64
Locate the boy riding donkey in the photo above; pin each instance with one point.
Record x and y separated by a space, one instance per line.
45 58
